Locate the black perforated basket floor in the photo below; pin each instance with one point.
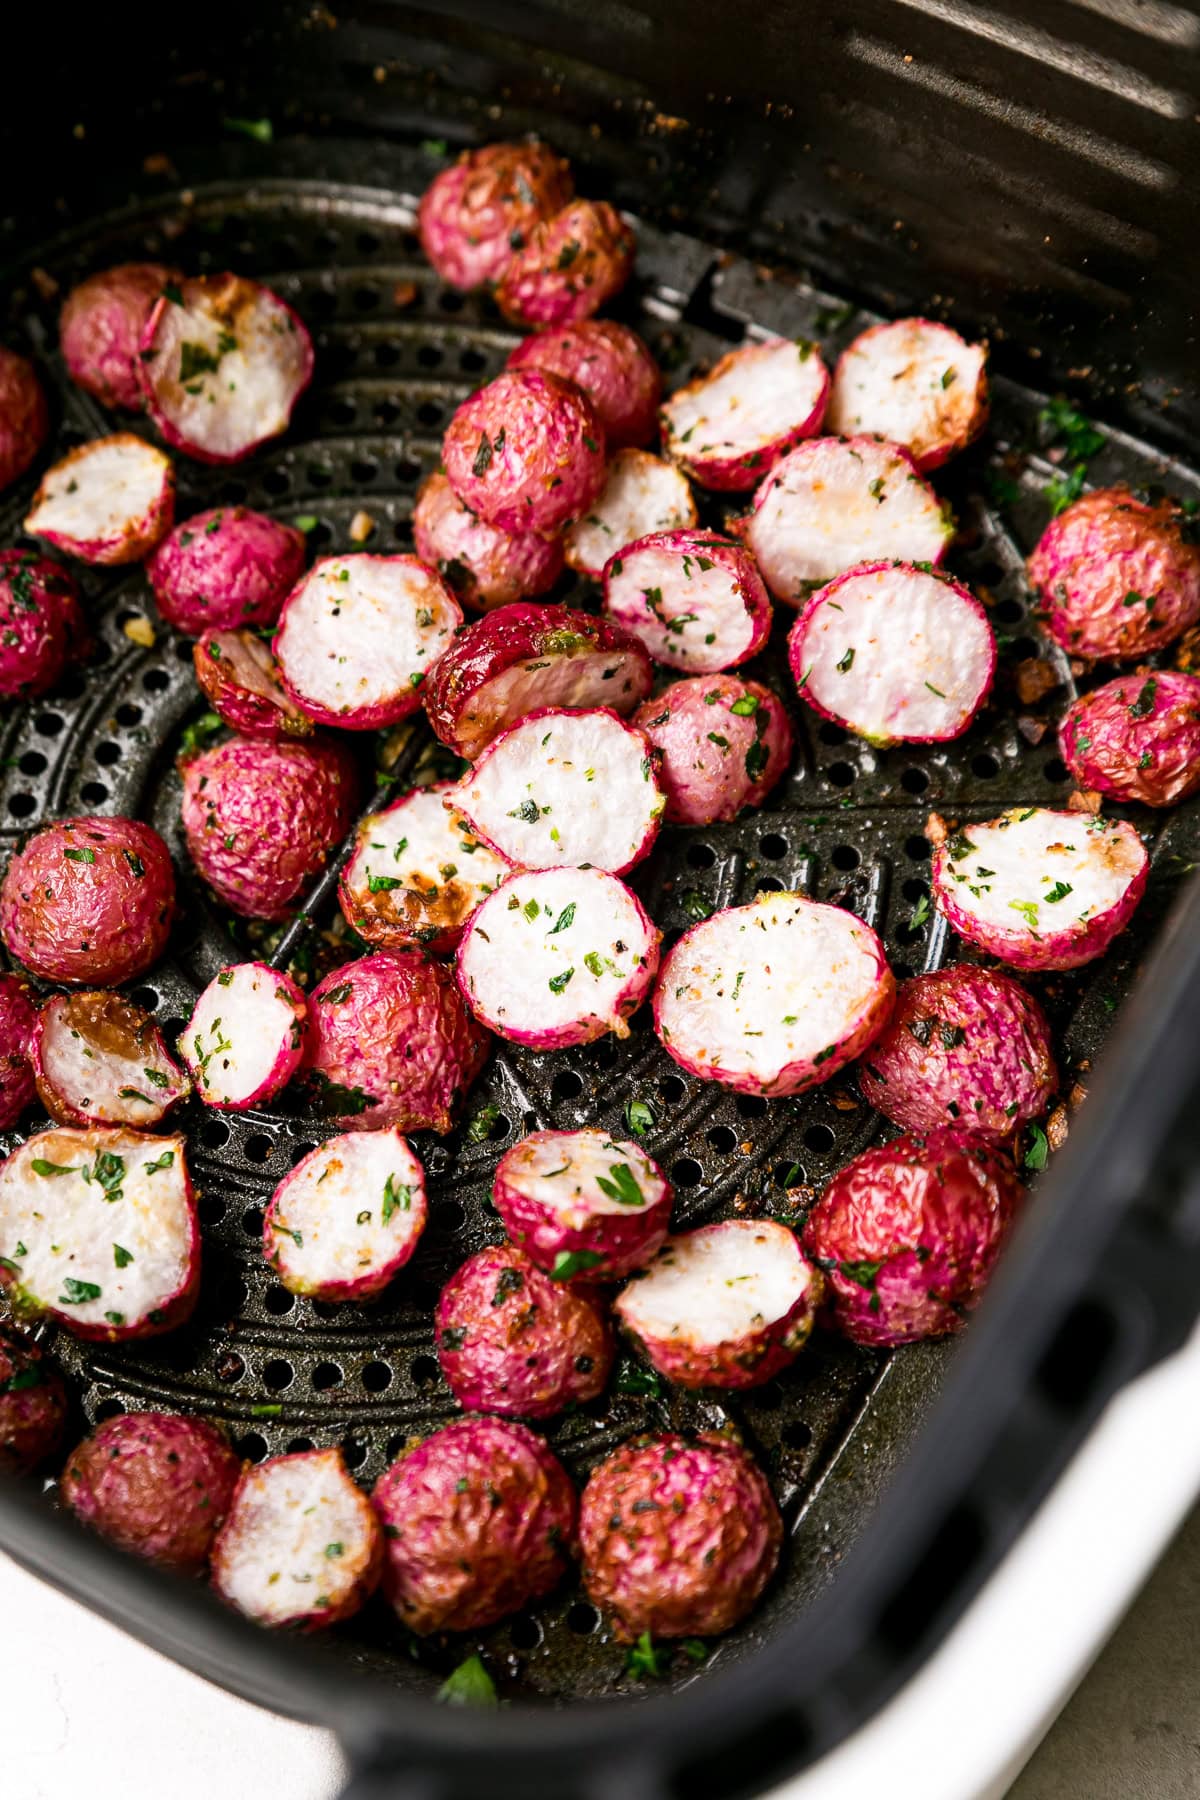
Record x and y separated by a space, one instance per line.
395 355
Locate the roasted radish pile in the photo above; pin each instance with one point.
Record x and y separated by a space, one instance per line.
443 785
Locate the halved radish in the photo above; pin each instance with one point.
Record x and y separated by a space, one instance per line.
347 1217
301 1545
565 787
100 1060
109 501
726 1306
245 1040
358 635
641 494
582 1205
223 361
558 957
98 1228
240 678
773 997
522 657
834 502
727 428
417 872
915 383
694 598
1036 888
895 653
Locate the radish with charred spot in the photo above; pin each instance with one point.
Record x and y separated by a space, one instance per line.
484 566
101 1060
485 204
348 1217
301 1546
571 266
417 872
895 653
225 568
41 625
566 788
521 657
526 452
641 495
107 502
359 634
724 744
915 383
98 1229
222 363
834 502
241 681
727 428
246 1038
773 997
729 1305
1036 888
557 957
583 1206
514 1341
695 599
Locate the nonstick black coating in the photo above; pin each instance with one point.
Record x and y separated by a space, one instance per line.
395 354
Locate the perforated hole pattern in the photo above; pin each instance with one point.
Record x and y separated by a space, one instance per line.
394 356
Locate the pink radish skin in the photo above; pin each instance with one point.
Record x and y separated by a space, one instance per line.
724 744
261 818
908 1235
240 679
967 1049
573 264
679 1537
522 657
513 1341
300 1517
485 567
1038 889
101 325
613 367
695 599
895 653
531 978
392 1042
547 1191
916 383
526 452
727 428
222 363
566 788
359 634
225 568
156 1484
641 495
41 625
100 1060
1137 738
812 981
111 1257
89 902
18 1022
1117 576
478 1520
486 203
417 872
727 1306
834 502
246 1038
24 417
33 1405
109 501
343 1223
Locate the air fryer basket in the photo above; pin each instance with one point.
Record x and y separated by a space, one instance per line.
1103 1276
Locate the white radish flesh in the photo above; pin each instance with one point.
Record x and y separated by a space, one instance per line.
717 1285
348 1217
641 494
109 501
418 872
246 1037
915 383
